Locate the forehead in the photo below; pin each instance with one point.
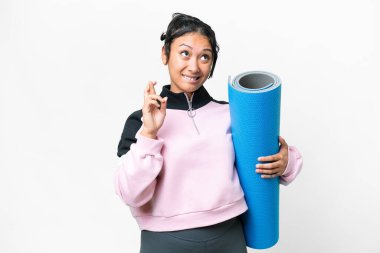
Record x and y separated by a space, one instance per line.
194 40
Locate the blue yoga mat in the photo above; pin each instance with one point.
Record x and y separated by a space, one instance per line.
255 99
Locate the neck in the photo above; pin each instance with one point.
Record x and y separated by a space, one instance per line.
189 95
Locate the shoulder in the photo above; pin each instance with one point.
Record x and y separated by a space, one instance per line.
131 126
133 121
220 102
135 117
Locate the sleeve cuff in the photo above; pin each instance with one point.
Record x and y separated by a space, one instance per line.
293 167
152 146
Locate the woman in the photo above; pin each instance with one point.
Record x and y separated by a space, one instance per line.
176 170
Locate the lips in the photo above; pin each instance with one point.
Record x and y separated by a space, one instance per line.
190 78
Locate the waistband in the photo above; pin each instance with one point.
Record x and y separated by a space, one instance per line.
204 233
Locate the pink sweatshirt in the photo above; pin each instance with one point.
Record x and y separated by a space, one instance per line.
186 178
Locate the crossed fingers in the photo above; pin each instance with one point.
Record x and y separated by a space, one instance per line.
151 98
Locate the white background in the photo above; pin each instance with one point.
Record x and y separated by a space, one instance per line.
71 72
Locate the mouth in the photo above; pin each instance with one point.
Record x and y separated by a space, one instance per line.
191 79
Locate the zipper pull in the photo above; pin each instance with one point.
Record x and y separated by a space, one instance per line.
191 112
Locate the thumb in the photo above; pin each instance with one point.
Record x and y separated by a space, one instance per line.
163 105
282 141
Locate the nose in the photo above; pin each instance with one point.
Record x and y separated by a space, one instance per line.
193 65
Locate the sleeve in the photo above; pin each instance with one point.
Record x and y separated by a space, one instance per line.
139 165
294 166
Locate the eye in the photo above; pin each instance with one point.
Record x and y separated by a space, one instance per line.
185 53
205 57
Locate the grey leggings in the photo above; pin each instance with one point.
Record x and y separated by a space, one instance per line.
225 237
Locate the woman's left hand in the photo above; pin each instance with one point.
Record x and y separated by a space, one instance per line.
274 165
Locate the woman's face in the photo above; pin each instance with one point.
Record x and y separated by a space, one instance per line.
189 62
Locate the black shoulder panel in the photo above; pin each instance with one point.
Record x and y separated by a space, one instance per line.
132 125
220 102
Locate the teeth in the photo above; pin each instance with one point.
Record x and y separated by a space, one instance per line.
190 78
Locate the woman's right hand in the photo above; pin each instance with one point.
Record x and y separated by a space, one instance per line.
153 114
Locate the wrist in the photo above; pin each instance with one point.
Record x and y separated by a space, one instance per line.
148 134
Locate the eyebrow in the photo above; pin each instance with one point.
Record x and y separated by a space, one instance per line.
206 49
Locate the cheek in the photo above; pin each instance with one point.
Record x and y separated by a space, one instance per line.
207 68
177 65
175 68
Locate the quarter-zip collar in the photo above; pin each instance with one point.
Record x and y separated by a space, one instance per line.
178 101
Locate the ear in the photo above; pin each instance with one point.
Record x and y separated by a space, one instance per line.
163 56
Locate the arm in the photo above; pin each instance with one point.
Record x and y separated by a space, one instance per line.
141 160
135 177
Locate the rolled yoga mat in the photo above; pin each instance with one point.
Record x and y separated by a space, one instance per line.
255 99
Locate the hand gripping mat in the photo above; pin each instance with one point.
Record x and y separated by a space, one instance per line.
255 99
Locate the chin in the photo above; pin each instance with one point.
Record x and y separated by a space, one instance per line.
192 87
